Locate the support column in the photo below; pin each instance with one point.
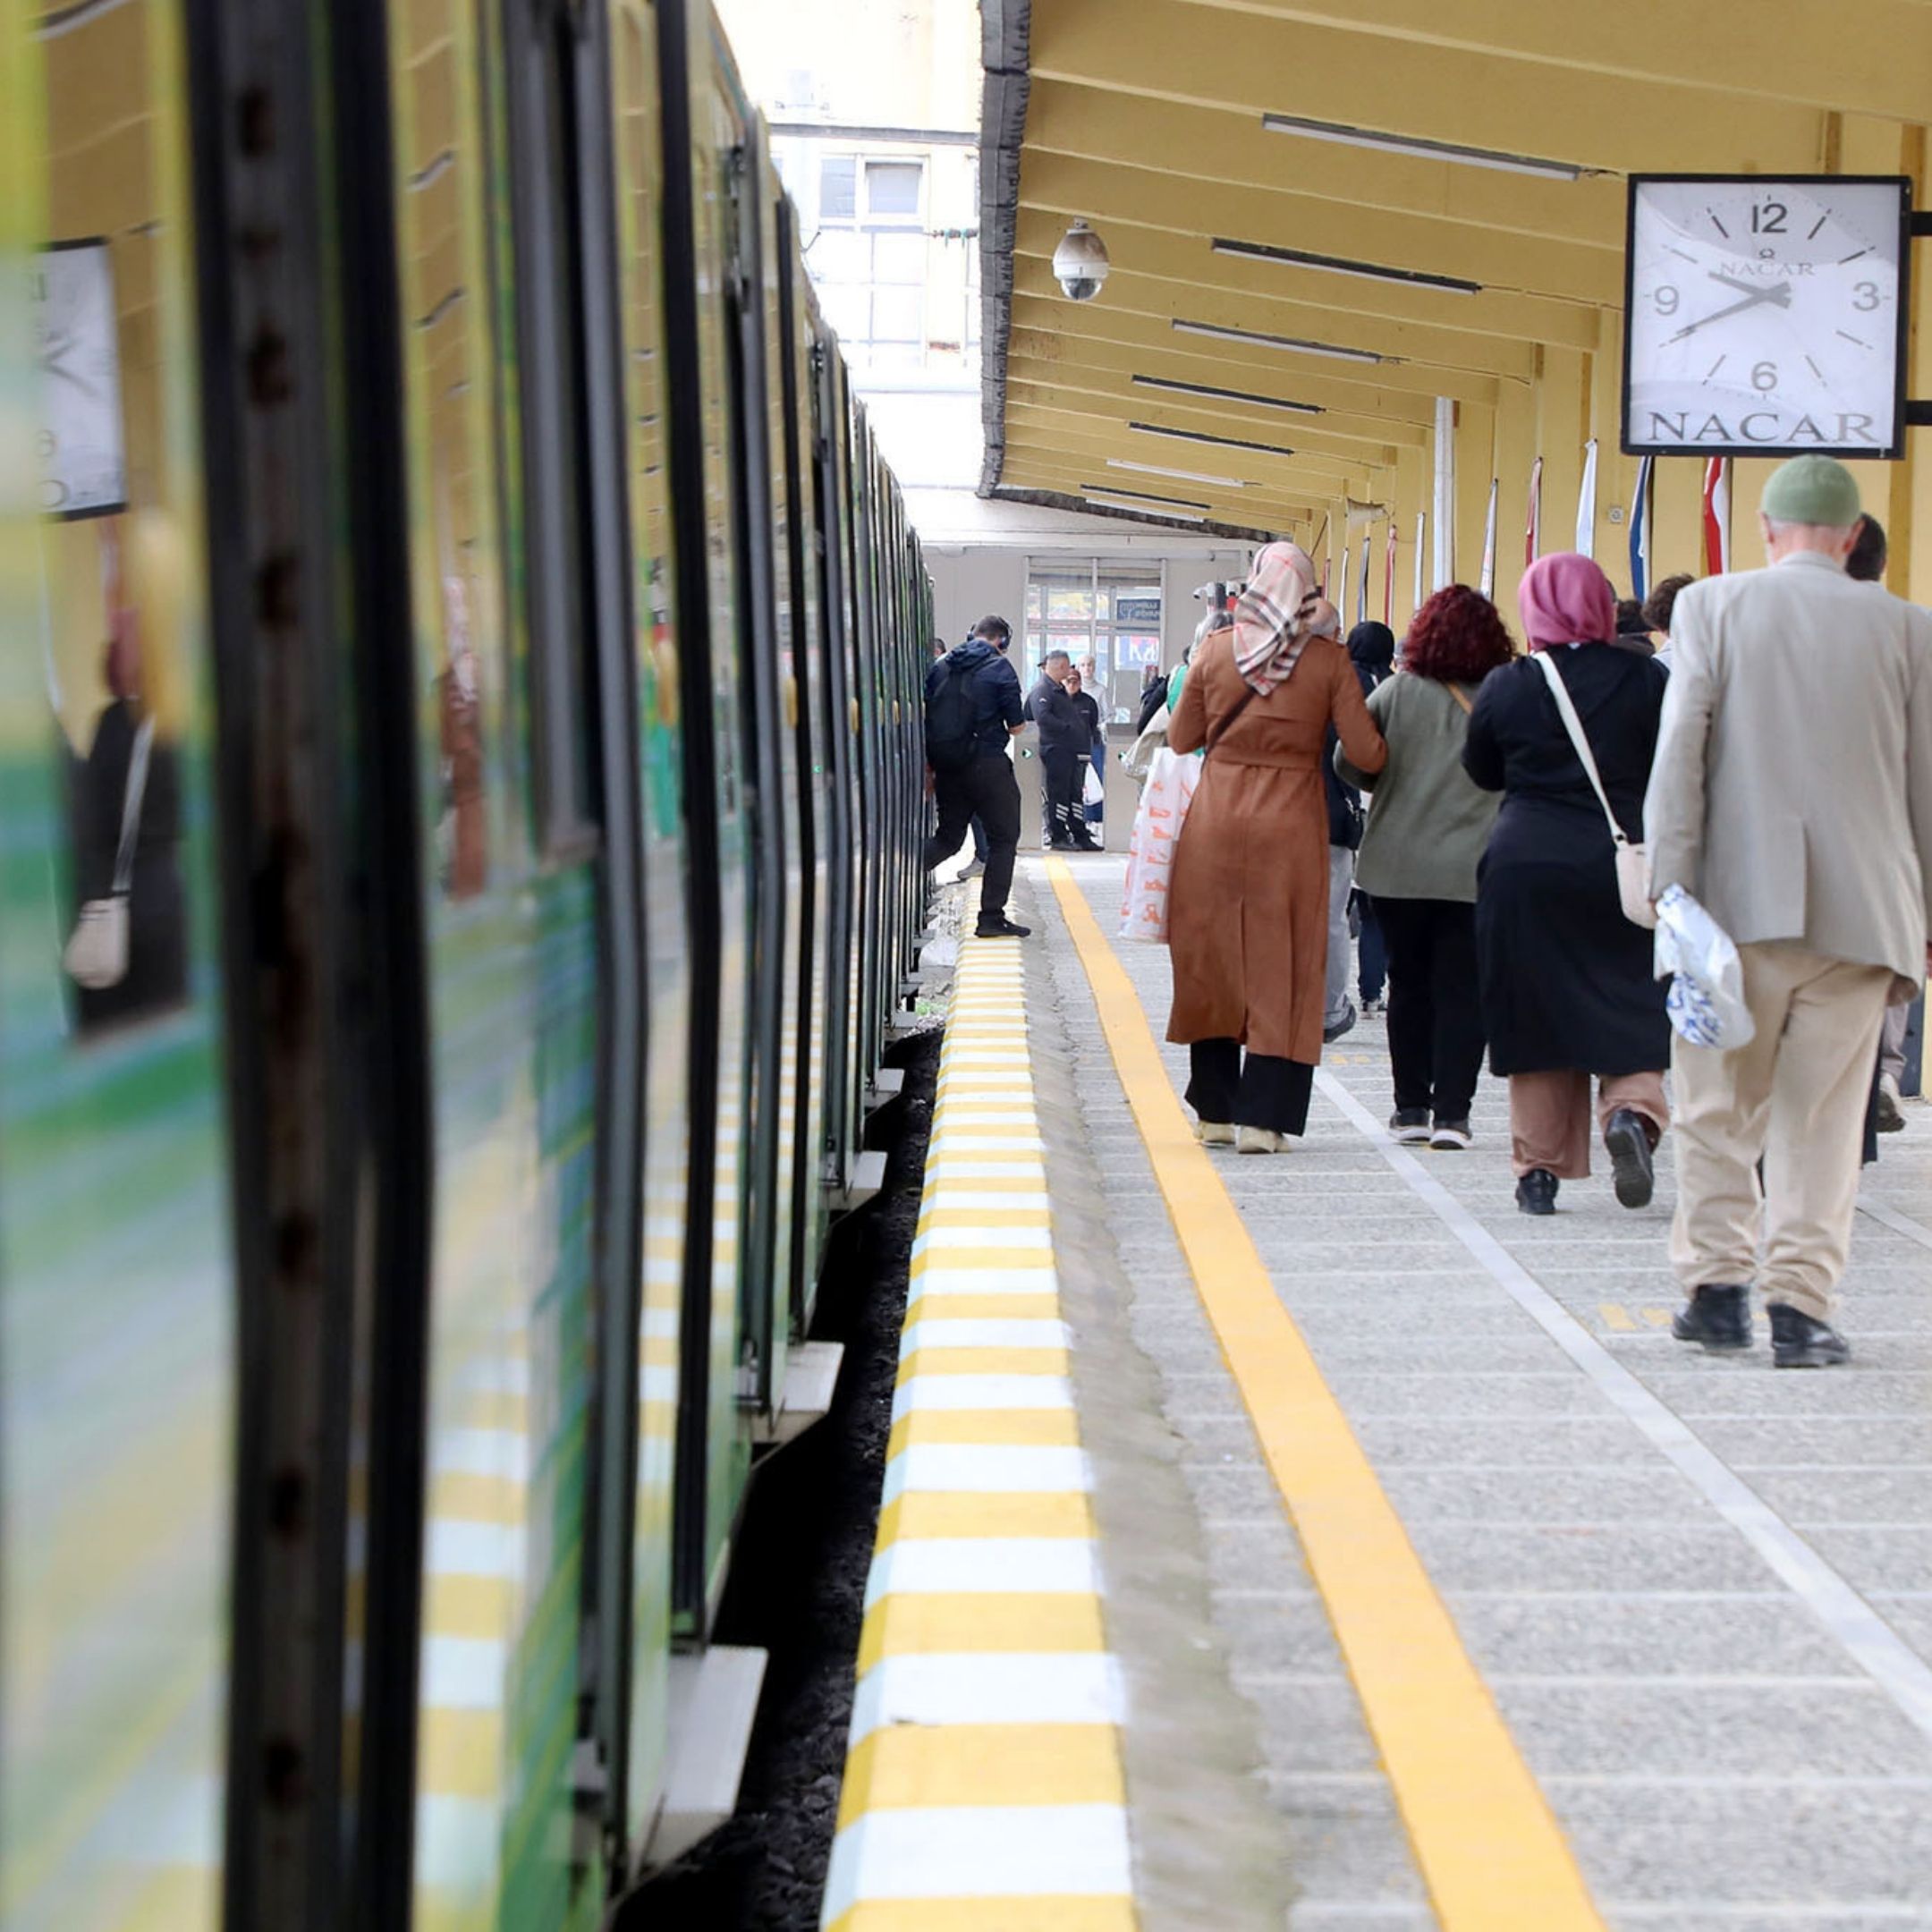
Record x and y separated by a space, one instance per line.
1443 496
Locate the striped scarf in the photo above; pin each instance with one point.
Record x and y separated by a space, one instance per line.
1271 616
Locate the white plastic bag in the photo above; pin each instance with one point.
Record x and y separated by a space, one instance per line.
1093 791
1171 779
1707 991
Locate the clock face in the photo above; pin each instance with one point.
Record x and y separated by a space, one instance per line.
1764 316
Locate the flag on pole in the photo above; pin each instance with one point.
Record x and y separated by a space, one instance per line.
1388 578
1533 526
1343 587
1421 539
1361 590
1640 529
1489 542
1717 516
1586 509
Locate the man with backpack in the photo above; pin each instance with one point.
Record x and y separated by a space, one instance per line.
973 709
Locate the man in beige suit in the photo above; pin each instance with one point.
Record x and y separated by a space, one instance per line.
1792 795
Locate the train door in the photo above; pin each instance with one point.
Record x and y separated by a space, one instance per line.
118 1276
840 710
714 1441
764 512
639 164
872 819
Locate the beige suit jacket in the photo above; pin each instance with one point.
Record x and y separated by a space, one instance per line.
1791 793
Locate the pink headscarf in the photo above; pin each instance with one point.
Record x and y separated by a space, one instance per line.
1271 616
1565 599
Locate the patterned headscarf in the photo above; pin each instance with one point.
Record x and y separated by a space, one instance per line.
1565 599
1270 617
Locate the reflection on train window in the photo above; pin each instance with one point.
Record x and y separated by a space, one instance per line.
454 462
119 484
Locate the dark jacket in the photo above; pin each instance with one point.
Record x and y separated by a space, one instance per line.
1153 701
1061 727
996 690
1088 707
1566 980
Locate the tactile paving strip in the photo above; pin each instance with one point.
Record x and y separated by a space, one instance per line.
983 1781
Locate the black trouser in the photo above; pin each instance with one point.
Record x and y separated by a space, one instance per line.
1435 1016
986 789
1063 811
1263 1091
1374 950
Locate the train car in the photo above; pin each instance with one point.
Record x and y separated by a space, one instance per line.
460 754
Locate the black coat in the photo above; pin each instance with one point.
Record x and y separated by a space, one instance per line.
1061 727
1566 978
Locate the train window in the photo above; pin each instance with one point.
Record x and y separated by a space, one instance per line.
454 456
117 1291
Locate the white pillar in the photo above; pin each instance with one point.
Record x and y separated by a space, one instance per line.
1443 504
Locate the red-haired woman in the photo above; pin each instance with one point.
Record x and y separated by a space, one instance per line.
1419 857
1568 989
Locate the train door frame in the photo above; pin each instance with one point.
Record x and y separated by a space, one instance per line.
330 1081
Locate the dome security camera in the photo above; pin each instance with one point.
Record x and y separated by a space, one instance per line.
1080 263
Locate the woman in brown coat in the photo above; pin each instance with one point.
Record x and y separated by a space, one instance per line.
1248 914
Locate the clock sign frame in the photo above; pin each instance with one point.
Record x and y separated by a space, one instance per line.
1766 315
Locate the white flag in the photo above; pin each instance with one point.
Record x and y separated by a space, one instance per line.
1585 508
1487 586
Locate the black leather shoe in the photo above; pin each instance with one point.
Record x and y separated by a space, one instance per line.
1801 1340
1345 1023
1536 1192
1627 1136
1717 1317
1001 927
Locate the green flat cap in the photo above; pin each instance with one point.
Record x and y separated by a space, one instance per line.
1813 489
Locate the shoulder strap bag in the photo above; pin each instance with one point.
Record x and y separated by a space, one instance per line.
1632 862
97 954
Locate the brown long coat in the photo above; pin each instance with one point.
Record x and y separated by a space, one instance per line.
1248 910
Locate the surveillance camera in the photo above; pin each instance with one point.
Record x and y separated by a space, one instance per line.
1080 263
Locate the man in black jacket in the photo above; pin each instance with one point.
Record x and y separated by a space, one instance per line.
1064 742
966 746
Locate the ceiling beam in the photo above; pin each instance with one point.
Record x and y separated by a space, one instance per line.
1365 382
1163 50
1080 391
1102 442
1784 51
1183 443
1043 355
1270 214
1169 275
1209 144
1031 467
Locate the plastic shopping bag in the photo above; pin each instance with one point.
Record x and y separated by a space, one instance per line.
1138 756
1164 803
1707 992
1092 790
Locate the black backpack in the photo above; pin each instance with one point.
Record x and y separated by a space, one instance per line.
952 720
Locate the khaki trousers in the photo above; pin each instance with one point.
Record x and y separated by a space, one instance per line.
1549 1117
1794 1096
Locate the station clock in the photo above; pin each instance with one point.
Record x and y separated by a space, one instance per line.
1766 316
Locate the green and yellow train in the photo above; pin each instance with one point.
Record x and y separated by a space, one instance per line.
460 812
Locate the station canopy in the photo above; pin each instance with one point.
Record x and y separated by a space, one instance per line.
1322 217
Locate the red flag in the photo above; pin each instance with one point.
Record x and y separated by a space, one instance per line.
1717 516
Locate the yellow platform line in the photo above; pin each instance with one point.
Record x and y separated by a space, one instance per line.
1001 1804
1489 1849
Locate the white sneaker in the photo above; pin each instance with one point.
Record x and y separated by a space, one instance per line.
1258 1140
972 871
1215 1133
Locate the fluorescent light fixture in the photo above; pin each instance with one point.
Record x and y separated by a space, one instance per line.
1424 150
1180 476
1227 396
1341 265
1141 508
1120 489
1220 442
1255 338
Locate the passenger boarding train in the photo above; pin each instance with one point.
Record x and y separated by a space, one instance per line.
460 747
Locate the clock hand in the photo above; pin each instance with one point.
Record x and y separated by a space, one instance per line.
1781 295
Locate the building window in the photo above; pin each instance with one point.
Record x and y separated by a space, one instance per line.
869 259
1112 616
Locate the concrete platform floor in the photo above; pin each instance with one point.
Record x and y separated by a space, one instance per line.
1699 1592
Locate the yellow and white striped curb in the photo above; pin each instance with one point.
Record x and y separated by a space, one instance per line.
983 1781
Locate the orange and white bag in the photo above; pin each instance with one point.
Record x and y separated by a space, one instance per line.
1172 777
